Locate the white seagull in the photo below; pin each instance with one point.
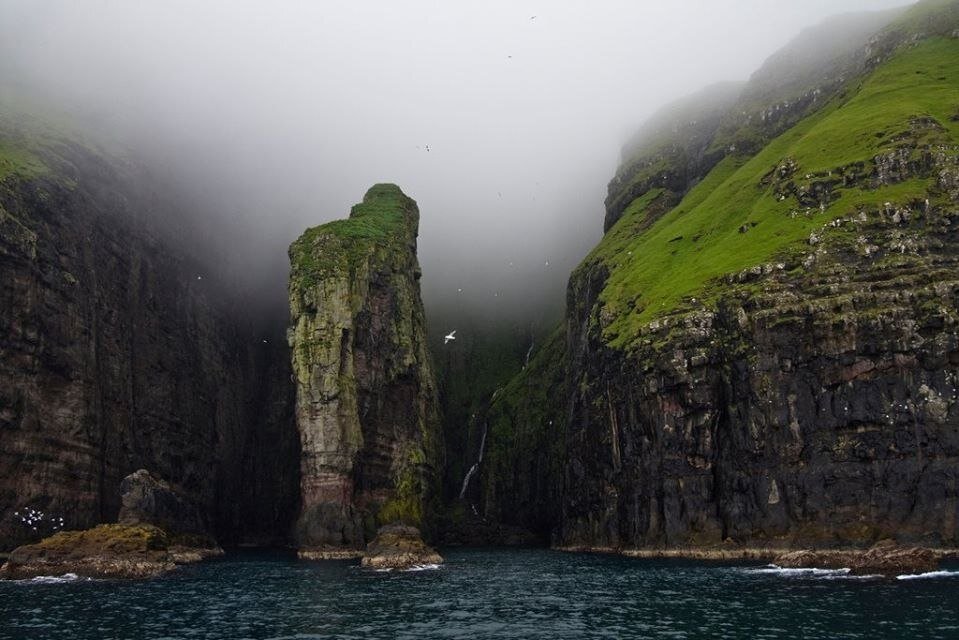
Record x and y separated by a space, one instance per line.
450 336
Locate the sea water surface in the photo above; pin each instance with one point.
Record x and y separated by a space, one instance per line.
484 594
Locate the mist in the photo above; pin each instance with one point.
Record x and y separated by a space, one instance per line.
504 120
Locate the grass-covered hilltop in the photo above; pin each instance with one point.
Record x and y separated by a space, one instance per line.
762 349
366 406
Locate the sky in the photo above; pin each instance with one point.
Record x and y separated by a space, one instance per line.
503 119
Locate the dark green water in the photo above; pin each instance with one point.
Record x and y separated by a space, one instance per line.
482 594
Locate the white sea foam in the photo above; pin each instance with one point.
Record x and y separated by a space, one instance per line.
423 567
930 574
773 569
67 577
852 576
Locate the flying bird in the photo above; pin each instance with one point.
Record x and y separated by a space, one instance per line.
450 336
532 17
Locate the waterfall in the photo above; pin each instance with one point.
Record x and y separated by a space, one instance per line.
529 352
475 467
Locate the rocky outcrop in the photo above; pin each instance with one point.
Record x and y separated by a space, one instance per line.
884 559
107 551
148 500
118 352
398 546
366 406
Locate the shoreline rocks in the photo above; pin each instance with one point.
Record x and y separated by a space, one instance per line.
399 546
885 559
113 551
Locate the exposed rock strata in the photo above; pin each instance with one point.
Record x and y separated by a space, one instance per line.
821 411
366 405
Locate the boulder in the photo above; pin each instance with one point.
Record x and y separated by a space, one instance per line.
147 499
398 546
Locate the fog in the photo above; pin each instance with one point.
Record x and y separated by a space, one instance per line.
504 120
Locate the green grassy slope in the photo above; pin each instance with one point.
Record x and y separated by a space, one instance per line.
738 216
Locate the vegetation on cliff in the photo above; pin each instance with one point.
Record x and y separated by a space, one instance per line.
366 397
748 211
382 222
765 335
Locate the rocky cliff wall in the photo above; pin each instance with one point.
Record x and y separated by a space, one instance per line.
118 353
366 405
808 398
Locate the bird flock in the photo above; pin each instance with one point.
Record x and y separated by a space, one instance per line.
34 518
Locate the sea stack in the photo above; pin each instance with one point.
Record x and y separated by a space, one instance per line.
366 402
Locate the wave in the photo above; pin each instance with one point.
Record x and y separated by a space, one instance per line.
415 567
929 574
67 577
773 569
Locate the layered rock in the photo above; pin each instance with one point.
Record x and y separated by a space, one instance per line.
366 406
764 356
119 352
806 400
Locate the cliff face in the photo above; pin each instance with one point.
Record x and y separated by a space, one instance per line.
118 353
774 359
366 405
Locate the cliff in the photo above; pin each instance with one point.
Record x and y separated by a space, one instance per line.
366 406
773 360
762 350
118 351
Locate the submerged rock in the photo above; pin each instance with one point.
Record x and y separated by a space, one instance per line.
398 546
105 551
329 553
885 558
